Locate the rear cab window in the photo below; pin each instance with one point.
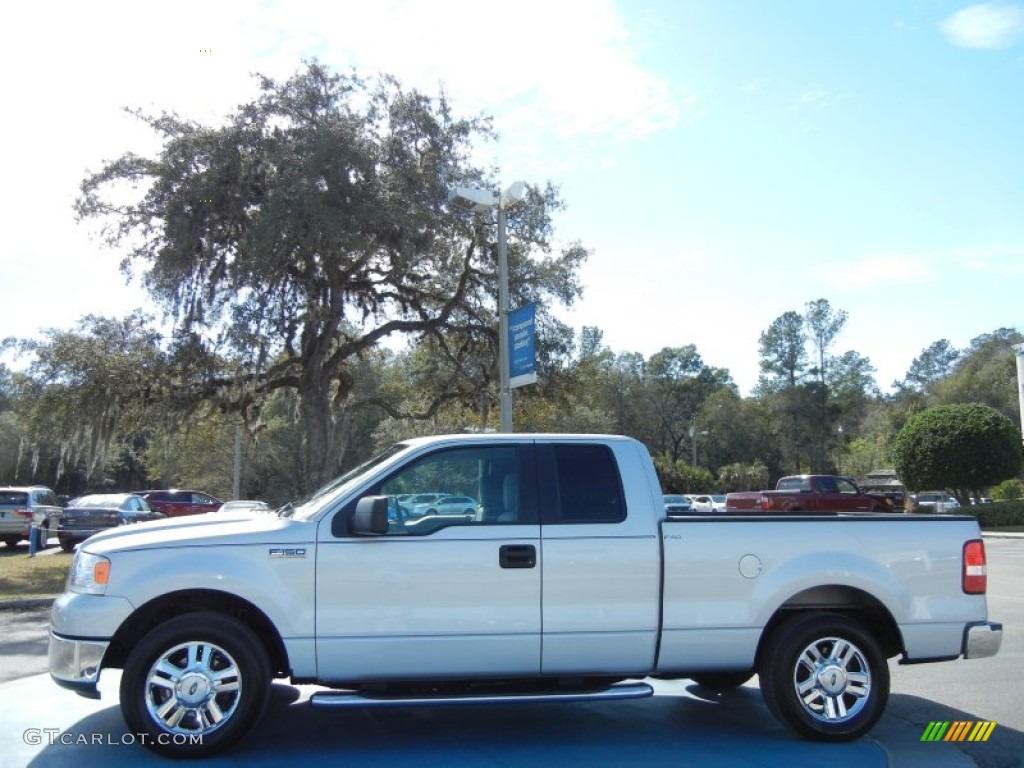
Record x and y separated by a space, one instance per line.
580 483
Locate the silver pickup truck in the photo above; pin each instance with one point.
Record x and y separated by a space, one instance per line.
556 575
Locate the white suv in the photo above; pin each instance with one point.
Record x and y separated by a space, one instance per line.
935 501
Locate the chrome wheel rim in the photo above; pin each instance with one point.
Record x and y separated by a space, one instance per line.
193 688
832 680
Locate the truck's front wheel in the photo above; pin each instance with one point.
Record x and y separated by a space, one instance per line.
195 685
825 677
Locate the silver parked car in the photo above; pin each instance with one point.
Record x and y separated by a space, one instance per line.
452 505
244 505
677 503
96 512
935 502
23 507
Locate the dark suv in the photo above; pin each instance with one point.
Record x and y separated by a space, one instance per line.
23 507
175 502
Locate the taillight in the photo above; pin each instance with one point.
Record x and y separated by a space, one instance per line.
975 568
765 503
25 513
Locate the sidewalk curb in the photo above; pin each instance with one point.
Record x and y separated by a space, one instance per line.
27 603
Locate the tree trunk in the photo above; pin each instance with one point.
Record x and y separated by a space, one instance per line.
317 422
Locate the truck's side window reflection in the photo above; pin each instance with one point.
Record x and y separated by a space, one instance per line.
456 486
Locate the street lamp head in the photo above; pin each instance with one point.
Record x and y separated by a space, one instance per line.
514 194
473 198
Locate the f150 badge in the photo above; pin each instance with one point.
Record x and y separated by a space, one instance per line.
287 552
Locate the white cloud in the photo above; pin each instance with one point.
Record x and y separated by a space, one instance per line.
987 26
573 62
996 260
883 270
562 79
817 99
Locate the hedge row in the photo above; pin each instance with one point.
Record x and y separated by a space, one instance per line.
998 513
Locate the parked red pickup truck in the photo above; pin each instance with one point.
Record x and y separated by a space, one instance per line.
809 493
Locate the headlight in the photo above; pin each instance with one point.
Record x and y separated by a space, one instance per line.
89 574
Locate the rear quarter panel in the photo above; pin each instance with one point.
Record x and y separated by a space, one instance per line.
726 578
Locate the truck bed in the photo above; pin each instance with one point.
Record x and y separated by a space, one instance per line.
726 575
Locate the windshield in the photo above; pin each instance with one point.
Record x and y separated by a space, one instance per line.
97 501
308 506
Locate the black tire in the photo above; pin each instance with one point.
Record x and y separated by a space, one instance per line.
11 541
207 648
825 677
67 545
722 681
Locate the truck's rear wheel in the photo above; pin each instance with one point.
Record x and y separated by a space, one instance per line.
195 685
825 677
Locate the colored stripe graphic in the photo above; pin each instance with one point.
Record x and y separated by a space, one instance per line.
982 731
958 730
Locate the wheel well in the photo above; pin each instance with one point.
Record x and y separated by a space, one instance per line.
853 603
174 604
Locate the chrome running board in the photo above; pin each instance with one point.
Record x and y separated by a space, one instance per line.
339 699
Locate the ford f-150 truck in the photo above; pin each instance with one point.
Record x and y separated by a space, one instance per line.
567 581
809 493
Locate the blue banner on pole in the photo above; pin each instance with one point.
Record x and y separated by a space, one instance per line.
522 362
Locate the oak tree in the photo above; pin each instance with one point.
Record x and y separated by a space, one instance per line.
310 227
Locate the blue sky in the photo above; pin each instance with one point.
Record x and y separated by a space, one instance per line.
726 161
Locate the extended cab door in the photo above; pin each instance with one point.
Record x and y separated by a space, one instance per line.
448 591
602 557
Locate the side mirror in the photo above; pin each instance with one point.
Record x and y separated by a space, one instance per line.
370 517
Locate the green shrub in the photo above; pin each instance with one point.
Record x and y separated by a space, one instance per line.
1008 490
998 513
962 447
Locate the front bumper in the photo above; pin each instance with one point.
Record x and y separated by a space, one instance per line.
76 534
75 663
982 639
81 630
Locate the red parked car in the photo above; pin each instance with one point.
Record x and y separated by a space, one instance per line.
176 502
808 493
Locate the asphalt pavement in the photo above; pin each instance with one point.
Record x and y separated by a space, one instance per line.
42 724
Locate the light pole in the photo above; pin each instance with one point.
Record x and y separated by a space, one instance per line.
479 200
693 437
1019 349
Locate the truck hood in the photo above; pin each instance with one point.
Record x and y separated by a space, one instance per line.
211 529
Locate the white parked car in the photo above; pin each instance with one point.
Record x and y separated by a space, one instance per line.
709 503
935 502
